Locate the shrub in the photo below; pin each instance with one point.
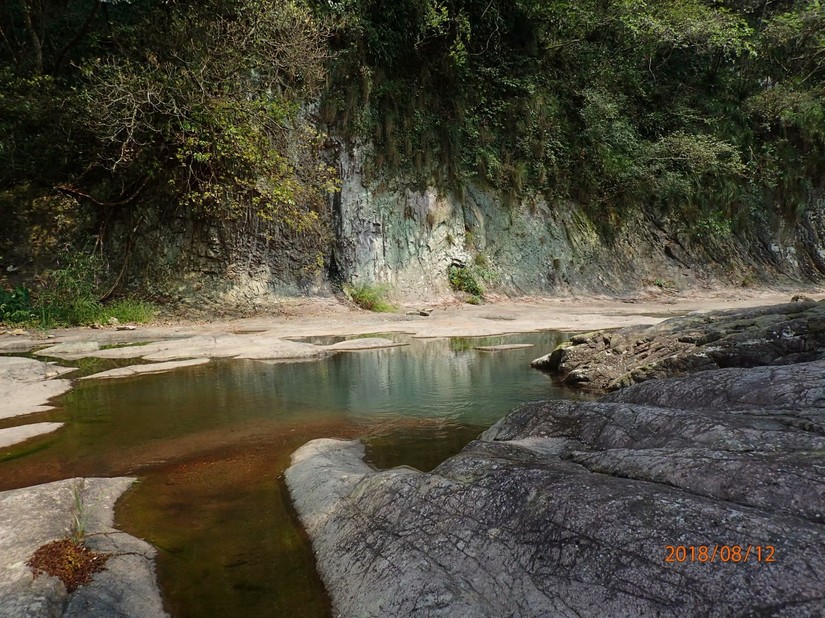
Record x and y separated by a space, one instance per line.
464 279
15 306
69 296
370 296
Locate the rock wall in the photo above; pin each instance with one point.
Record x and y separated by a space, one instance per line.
397 232
390 232
238 263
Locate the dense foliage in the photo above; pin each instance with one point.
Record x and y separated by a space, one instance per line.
712 109
204 99
115 113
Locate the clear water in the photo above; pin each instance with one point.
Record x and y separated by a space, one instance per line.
210 444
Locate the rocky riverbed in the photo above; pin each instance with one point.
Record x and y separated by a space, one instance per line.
772 335
695 496
475 538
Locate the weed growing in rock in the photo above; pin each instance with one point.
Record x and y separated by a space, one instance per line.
80 516
68 559
464 279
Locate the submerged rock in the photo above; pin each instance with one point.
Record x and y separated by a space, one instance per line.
135 370
775 335
582 508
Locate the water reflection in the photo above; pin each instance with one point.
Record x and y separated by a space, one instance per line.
210 443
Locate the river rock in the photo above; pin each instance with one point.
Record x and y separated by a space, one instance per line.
364 343
70 350
15 435
503 347
573 508
136 370
34 516
26 385
775 335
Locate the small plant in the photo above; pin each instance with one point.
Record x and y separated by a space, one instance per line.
463 279
749 280
129 310
715 225
69 296
67 558
16 306
80 516
371 297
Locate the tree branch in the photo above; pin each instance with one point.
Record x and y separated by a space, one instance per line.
77 193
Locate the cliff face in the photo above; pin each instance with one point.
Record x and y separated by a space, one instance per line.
392 231
388 232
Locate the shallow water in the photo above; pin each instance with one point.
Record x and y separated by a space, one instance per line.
210 444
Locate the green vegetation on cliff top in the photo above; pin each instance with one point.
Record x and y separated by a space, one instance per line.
142 112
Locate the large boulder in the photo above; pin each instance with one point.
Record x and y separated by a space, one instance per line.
575 508
775 335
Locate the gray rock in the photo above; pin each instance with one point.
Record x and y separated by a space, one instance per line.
503 347
568 508
365 343
135 370
26 385
34 516
775 335
70 350
15 435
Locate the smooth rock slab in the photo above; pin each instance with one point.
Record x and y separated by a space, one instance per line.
70 350
364 343
16 435
226 345
26 385
567 508
34 516
135 370
504 347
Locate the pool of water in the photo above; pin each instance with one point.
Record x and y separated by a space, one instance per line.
210 444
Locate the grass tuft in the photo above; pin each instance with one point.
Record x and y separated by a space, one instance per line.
371 297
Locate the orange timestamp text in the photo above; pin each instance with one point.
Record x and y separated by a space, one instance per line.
719 553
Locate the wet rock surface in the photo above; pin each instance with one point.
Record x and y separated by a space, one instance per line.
774 335
568 508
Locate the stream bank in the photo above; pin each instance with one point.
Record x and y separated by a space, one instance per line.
709 485
202 435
